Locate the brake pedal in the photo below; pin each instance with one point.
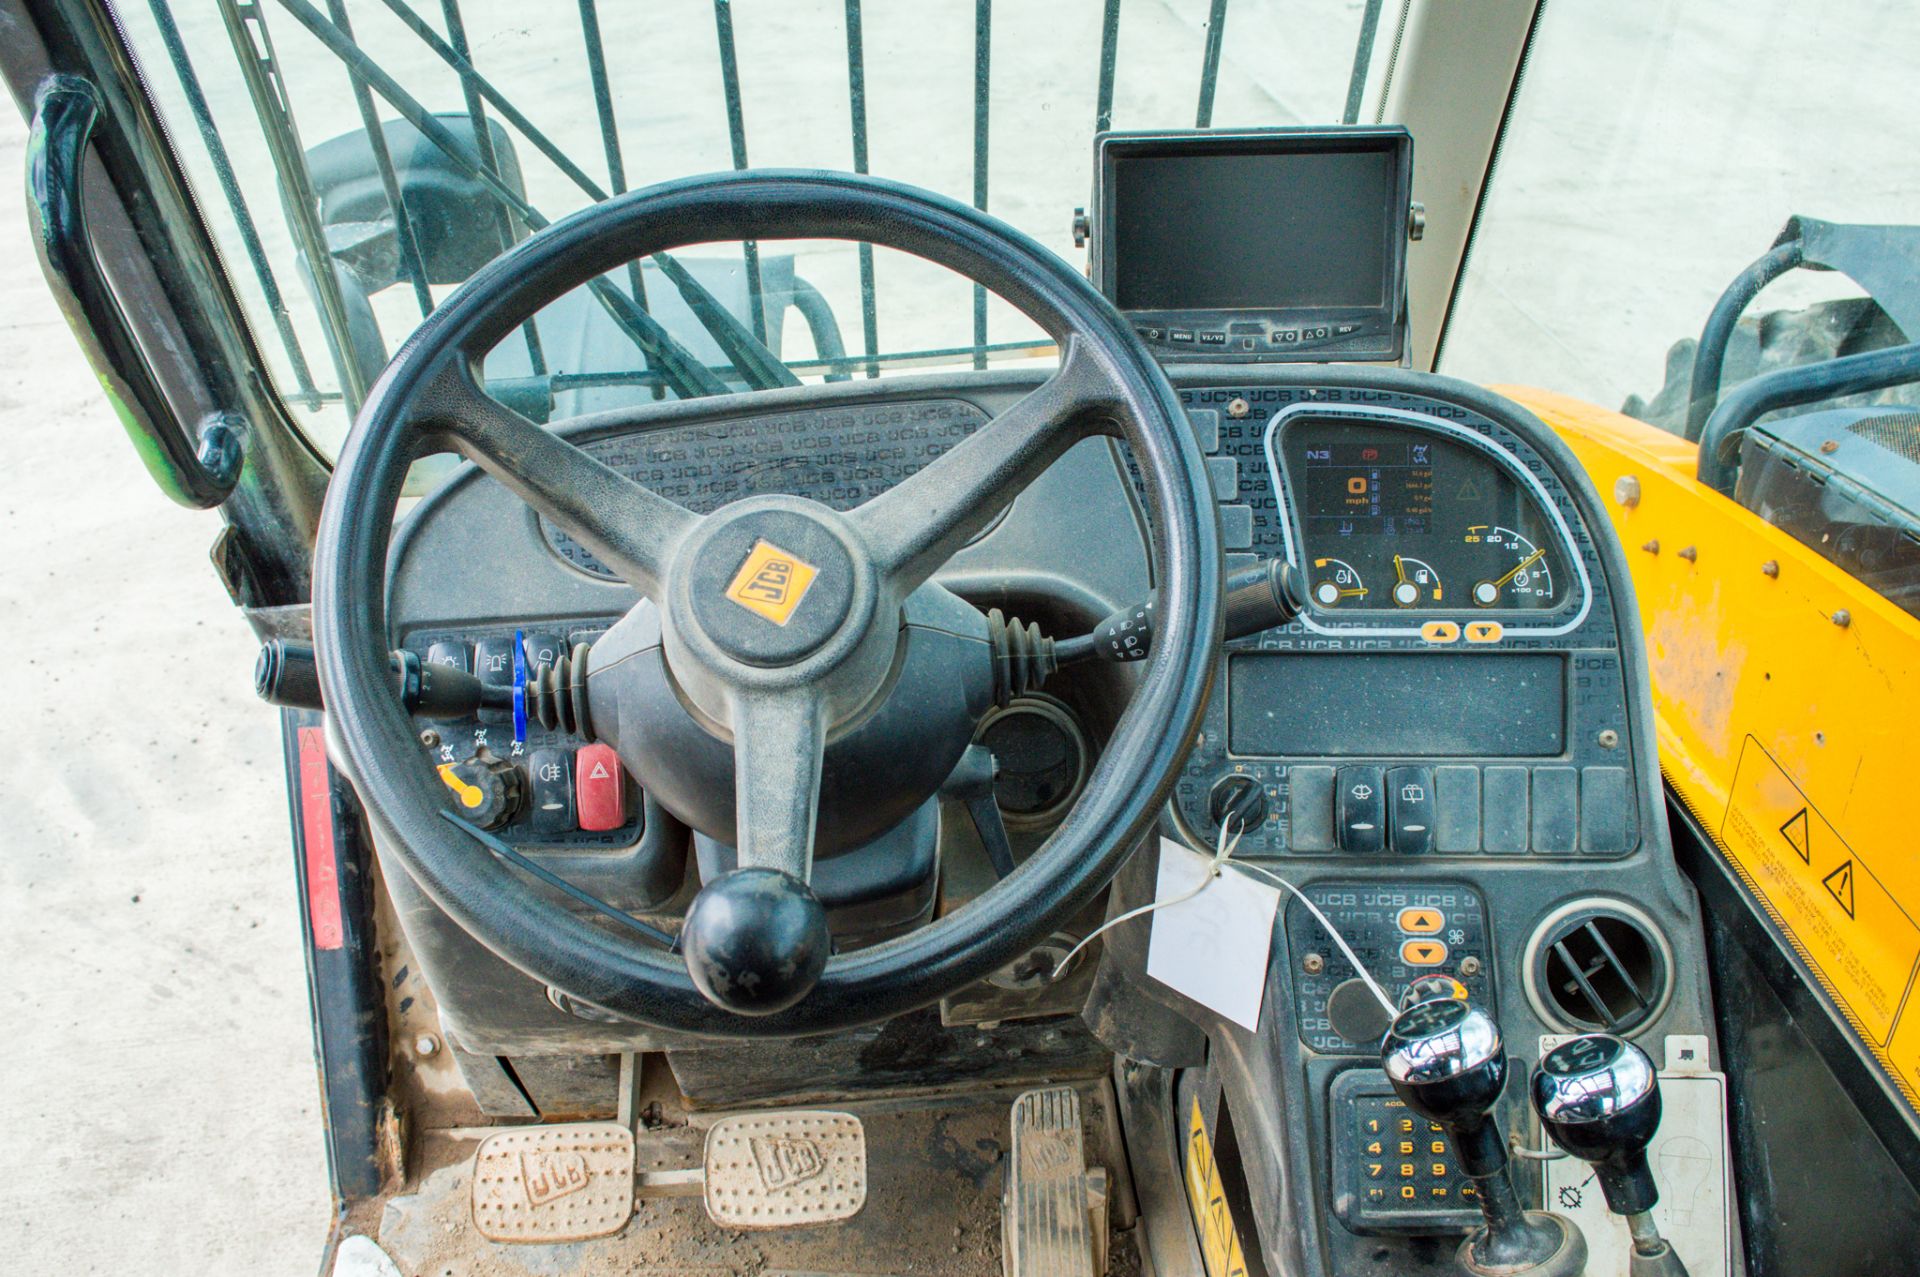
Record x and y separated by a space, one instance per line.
553 1183
1054 1213
567 1183
786 1170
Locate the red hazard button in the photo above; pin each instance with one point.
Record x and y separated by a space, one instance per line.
600 786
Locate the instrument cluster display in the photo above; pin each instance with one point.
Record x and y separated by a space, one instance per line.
1396 519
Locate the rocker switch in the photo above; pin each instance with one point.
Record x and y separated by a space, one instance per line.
1360 809
601 788
1410 811
552 808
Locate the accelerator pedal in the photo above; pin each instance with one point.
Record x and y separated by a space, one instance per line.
1054 1215
553 1183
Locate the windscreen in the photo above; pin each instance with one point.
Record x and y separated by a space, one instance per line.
1205 232
490 124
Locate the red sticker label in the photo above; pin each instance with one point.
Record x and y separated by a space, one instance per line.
316 827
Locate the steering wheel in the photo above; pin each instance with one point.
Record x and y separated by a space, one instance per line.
778 693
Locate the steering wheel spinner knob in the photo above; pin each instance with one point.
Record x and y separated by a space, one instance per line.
756 941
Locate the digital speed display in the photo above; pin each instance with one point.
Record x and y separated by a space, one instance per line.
1385 481
1396 519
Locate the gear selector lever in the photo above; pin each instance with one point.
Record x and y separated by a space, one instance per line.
1447 1062
1598 1098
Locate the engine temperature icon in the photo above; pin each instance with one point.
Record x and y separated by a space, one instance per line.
1336 582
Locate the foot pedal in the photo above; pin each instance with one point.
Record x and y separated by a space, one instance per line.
786 1170
1054 1214
553 1183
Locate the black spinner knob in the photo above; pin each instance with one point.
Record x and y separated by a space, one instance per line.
487 791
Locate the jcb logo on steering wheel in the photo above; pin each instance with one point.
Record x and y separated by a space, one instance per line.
771 582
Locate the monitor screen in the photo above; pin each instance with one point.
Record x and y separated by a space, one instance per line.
1397 704
1303 229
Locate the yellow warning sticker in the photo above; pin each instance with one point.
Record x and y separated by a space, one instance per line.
1849 926
771 582
1219 1239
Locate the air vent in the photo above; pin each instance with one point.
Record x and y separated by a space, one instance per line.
1600 967
1897 432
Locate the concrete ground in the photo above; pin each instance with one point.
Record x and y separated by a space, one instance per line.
160 1111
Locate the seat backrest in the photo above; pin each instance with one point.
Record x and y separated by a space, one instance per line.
458 222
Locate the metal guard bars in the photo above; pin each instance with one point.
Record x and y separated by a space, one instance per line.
196 468
1789 387
743 343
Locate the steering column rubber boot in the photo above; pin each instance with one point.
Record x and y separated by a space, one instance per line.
1447 1062
1598 1097
756 940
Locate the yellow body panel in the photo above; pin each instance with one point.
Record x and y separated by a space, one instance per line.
1785 697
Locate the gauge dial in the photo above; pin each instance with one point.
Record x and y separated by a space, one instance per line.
1516 571
1415 583
1337 583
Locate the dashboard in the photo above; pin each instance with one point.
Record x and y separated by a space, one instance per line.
1447 750
1490 716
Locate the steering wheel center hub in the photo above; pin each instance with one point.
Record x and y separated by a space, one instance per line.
770 585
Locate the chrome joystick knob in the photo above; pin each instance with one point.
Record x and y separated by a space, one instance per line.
1447 1062
1598 1098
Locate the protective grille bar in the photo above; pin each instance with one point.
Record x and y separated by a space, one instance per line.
669 366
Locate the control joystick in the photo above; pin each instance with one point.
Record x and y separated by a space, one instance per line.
1598 1098
1447 1062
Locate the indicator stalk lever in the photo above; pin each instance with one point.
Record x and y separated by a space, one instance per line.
286 674
1258 598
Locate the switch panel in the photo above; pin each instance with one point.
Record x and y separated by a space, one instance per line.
1401 933
562 808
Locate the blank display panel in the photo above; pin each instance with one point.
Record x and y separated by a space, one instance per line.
1201 231
1398 704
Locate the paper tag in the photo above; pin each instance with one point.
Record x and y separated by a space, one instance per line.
1214 947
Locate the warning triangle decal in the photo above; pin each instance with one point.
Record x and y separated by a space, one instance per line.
1839 884
599 772
1795 832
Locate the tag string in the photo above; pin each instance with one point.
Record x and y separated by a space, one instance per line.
1222 858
